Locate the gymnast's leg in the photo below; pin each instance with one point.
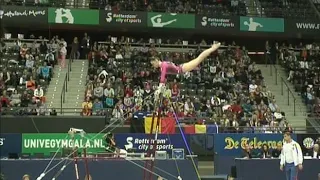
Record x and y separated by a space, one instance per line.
191 65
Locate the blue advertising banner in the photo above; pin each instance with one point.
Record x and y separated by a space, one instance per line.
233 144
141 142
10 143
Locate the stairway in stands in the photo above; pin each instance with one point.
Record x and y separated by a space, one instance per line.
53 94
299 120
76 87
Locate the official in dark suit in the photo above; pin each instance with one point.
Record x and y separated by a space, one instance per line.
247 154
276 152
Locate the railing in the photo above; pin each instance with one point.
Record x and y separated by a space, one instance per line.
289 92
283 82
63 92
65 85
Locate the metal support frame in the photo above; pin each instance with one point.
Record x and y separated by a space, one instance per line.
149 164
72 132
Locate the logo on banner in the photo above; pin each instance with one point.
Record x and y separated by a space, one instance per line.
61 143
46 143
144 143
252 25
258 24
171 20
26 13
73 16
2 141
157 20
308 143
217 22
254 143
123 18
64 16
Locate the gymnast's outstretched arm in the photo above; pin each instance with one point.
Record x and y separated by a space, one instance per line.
191 65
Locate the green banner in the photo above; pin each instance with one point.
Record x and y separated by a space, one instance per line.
47 143
257 24
73 16
171 20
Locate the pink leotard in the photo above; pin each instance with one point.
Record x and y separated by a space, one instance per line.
168 68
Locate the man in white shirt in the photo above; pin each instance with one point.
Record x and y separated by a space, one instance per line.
291 157
253 87
117 115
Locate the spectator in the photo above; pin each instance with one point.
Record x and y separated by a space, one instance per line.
109 94
62 55
276 152
23 53
189 108
15 98
127 103
207 108
2 84
4 100
175 92
25 99
117 114
98 91
278 115
75 49
38 95
85 45
43 47
87 107
273 106
89 90
97 107
138 92
29 62
314 152
45 72
5 76
50 58
247 107
31 84
252 87
265 153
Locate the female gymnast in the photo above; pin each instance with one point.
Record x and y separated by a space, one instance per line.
170 68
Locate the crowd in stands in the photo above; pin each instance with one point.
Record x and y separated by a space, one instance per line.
25 73
228 87
228 7
303 67
288 8
317 4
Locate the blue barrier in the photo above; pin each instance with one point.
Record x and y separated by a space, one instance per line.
267 169
98 169
223 164
10 143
